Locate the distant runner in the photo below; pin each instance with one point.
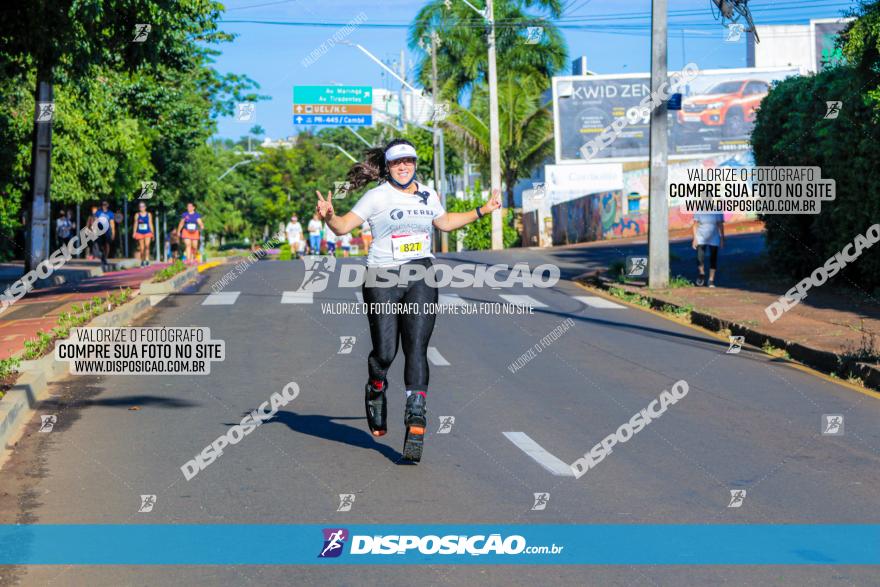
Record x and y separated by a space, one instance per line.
108 237
402 215
143 232
190 228
294 232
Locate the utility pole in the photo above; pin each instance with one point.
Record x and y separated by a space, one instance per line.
37 235
401 118
438 151
658 222
494 133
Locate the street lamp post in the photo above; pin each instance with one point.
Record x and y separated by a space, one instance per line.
340 149
255 154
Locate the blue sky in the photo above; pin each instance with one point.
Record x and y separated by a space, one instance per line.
616 39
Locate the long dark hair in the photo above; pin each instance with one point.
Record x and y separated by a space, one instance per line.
373 167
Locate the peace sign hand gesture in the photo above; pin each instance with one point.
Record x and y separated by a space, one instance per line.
325 207
494 202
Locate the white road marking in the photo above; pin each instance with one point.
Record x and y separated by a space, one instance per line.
436 358
539 454
155 299
451 300
223 298
524 301
297 297
359 296
597 302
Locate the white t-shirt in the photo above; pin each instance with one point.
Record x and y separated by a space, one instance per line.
294 232
365 229
708 228
401 223
314 227
329 236
345 240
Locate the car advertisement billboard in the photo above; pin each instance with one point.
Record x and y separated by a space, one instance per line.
717 115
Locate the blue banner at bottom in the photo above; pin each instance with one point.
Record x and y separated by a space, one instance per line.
247 544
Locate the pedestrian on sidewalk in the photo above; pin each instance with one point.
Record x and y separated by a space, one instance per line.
366 236
108 237
94 249
345 244
708 230
315 235
190 228
173 242
294 232
63 229
143 233
331 240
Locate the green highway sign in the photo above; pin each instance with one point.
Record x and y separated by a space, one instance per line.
352 95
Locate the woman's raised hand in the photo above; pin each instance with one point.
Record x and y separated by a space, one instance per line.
325 207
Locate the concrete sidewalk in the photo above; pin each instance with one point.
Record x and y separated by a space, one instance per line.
39 309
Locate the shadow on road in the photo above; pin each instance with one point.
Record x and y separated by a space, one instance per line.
326 427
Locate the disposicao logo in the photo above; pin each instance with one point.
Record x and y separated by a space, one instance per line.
334 540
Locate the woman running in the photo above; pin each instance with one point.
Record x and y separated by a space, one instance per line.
402 215
190 228
143 232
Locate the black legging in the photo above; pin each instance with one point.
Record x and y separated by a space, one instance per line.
414 328
713 256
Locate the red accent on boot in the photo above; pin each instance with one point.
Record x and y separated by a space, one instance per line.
378 385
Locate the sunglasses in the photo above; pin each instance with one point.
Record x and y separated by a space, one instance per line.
407 161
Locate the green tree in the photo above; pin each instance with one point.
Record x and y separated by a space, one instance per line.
462 57
791 130
62 41
526 128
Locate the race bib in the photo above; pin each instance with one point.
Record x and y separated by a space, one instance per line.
191 226
410 246
143 226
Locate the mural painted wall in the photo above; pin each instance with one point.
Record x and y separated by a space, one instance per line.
623 213
577 221
635 186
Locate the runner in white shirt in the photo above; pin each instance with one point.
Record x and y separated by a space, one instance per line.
294 232
331 240
366 236
315 227
402 214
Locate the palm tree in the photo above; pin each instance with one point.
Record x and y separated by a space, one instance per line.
526 125
462 58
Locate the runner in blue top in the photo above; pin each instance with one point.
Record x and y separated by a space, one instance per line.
190 228
143 232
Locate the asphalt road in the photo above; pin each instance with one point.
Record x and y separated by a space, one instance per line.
748 422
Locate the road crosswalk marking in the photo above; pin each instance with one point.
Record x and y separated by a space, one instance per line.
223 298
524 301
436 358
227 298
539 454
597 302
297 297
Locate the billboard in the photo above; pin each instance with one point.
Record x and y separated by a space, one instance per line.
824 33
717 115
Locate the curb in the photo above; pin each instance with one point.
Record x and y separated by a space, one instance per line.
825 361
32 385
169 285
